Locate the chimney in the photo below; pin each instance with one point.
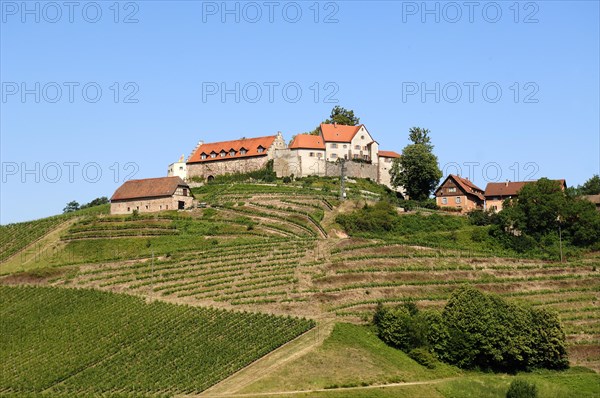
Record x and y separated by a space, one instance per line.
507 181
334 124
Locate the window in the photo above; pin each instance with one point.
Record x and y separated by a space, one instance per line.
180 167
203 156
137 207
357 147
451 190
311 154
213 155
232 153
444 201
185 192
345 146
362 137
223 153
243 151
355 156
261 149
333 146
364 148
129 209
387 160
146 207
167 207
334 155
160 207
458 200
319 154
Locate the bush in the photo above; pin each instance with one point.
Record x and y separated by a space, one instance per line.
287 180
480 217
477 331
423 357
486 332
521 389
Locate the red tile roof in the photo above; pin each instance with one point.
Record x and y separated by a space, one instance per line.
465 185
148 188
509 188
388 154
251 146
306 141
338 132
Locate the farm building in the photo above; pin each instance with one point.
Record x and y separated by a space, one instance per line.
229 157
459 193
595 199
151 195
497 192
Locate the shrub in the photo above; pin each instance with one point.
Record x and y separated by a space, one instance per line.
423 357
521 389
480 217
486 332
477 331
287 180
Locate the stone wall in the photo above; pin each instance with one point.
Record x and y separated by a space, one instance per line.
353 170
226 166
150 205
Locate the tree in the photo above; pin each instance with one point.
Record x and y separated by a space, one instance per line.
541 208
419 135
417 169
343 116
71 206
591 186
96 202
338 115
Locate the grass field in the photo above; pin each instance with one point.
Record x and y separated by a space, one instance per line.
86 341
355 360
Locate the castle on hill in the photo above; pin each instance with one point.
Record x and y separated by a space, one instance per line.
306 155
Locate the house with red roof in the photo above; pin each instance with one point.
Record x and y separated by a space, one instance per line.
349 143
497 192
308 155
151 195
230 157
460 193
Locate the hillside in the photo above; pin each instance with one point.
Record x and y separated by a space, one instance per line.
276 249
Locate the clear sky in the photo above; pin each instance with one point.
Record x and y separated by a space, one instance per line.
96 92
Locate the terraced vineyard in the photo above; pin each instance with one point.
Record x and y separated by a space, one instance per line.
15 237
277 249
85 342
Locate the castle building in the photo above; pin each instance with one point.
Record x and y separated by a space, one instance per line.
229 157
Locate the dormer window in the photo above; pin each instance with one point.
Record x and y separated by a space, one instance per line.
232 152
203 156
243 151
213 155
260 149
223 153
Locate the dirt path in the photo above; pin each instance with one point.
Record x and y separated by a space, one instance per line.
276 393
272 361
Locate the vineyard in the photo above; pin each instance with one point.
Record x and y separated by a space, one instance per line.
75 342
277 249
15 237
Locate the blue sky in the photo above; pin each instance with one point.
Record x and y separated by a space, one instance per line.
157 64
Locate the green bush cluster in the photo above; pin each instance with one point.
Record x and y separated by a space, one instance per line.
541 213
383 217
477 331
521 389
